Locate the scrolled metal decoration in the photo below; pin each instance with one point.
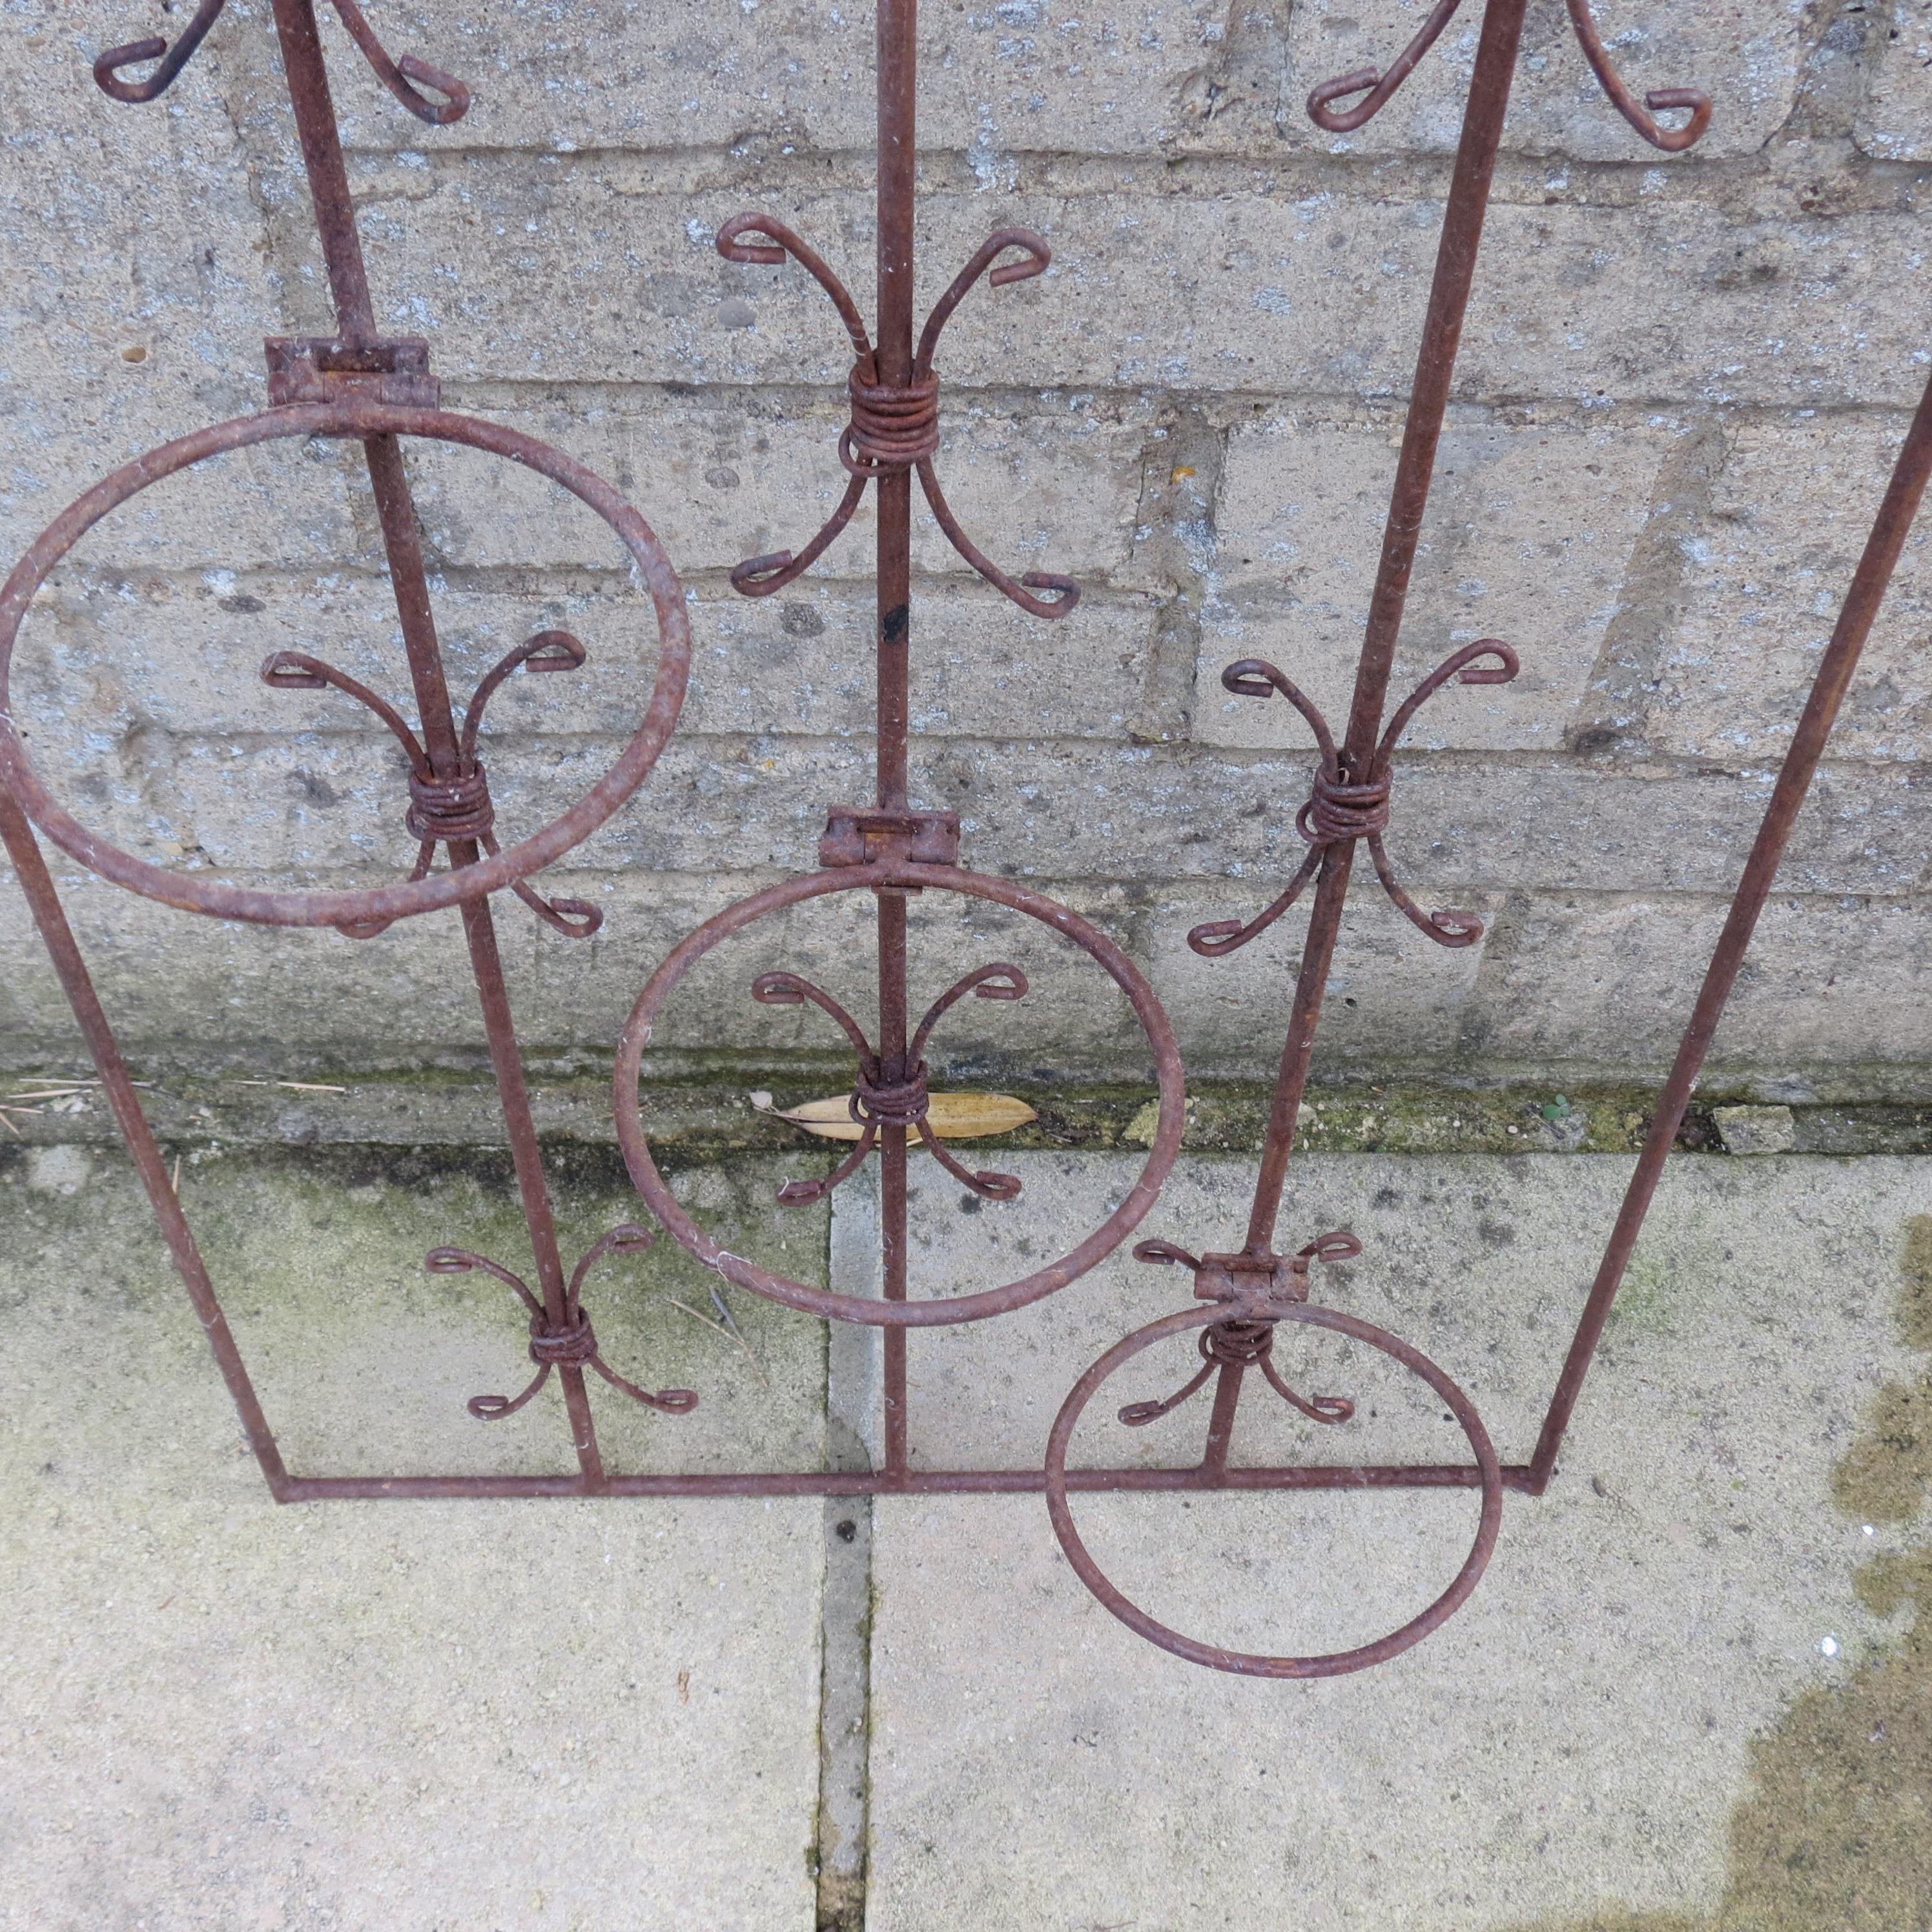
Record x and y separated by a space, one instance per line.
895 1094
455 808
562 1338
1376 87
359 387
894 425
1342 808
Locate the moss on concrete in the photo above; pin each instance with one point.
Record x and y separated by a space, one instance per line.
727 1106
1888 1474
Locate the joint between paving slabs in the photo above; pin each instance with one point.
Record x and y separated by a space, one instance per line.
853 1361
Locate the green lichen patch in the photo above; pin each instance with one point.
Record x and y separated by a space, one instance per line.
1837 1834
1888 1473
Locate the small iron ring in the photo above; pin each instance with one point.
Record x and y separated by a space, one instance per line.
491 872
931 1314
1252 1664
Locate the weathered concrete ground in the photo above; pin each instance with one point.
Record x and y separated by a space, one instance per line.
1689 1695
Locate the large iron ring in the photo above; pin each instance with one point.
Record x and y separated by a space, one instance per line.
382 902
1043 1281
1252 1664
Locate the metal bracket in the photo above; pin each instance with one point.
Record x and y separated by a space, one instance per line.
854 836
324 369
1252 1279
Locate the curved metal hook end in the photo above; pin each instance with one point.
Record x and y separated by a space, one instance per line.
106 65
1357 80
398 75
1166 1254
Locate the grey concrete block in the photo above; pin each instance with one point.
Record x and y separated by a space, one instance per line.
1755 1129
1527 539
1041 76
109 654
1765 576
1892 125
1036 75
325 799
1252 291
270 991
1392 994
721 479
1834 983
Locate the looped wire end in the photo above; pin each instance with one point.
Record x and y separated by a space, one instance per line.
777 242
398 75
575 919
542 653
1357 80
758 576
1660 99
1213 937
1166 1254
1376 86
1338 1245
1036 257
173 59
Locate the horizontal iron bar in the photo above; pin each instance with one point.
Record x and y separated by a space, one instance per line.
916 1482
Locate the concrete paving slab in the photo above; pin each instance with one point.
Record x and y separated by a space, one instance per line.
503 1717
1574 1743
365 1362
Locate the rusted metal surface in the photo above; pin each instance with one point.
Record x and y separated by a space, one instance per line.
894 421
1898 509
471 877
569 1344
1263 1313
896 1080
1375 86
1349 801
381 391
1342 808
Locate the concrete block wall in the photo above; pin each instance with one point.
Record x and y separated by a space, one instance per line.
1680 388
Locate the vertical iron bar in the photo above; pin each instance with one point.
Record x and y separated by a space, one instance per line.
1317 955
1456 256
307 73
44 903
307 76
1870 581
898 79
479 927
402 543
1221 1420
342 251
897 59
